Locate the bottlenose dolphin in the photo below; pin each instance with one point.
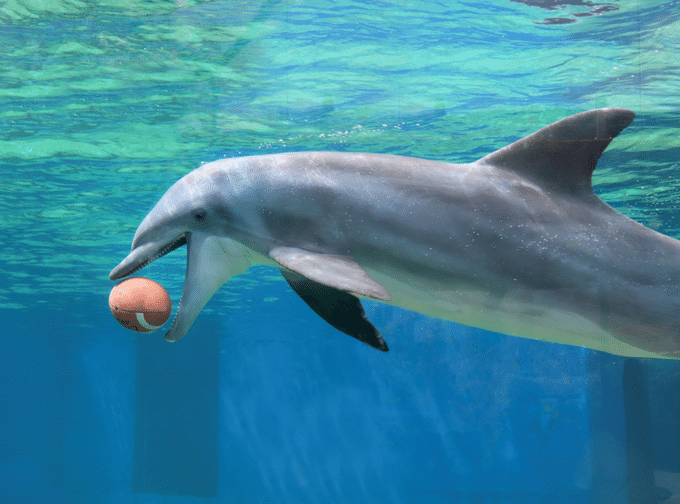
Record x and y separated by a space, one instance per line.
516 242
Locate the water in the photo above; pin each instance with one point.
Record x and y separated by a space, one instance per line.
104 105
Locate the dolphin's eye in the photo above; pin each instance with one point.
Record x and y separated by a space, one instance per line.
200 215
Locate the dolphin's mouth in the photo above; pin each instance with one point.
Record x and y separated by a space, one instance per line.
143 256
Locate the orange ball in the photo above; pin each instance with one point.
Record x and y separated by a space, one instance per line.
140 304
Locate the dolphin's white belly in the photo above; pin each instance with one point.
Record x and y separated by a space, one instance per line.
517 313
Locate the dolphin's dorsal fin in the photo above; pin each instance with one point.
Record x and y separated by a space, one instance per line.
563 155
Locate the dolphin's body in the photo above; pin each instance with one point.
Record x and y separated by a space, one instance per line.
515 242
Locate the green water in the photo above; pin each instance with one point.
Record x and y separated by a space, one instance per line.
103 105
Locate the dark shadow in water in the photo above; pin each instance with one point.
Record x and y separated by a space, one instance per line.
640 485
595 9
176 424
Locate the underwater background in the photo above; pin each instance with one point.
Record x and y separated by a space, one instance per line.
103 105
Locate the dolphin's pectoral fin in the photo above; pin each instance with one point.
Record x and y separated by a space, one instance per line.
334 271
563 155
340 309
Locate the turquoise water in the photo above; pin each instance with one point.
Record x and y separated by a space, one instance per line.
104 105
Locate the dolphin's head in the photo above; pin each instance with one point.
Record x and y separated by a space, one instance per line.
191 212
176 215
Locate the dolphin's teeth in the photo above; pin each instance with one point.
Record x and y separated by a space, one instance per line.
176 243
174 319
138 267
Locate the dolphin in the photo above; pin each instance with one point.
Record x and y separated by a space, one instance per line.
515 242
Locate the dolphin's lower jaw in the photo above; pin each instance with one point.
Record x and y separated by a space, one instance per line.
211 261
144 255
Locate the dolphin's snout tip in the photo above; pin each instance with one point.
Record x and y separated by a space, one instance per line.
115 273
136 260
120 271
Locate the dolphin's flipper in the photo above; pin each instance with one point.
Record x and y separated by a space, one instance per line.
562 156
340 309
334 271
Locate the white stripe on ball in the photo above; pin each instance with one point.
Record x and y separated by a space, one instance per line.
145 324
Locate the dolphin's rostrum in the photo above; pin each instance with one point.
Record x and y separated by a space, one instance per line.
516 242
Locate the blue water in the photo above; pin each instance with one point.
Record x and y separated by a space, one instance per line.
104 105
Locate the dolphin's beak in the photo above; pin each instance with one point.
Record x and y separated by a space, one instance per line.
211 261
144 254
